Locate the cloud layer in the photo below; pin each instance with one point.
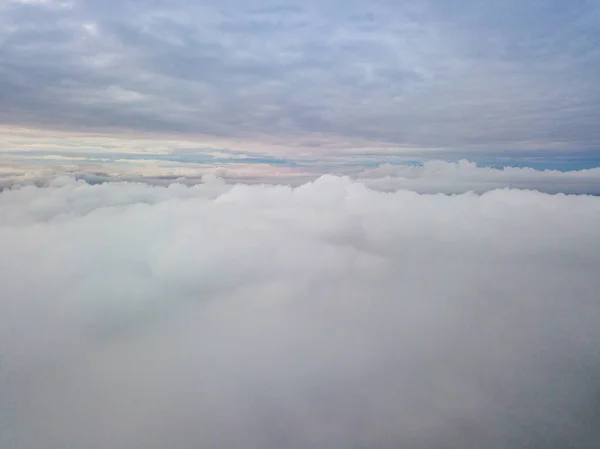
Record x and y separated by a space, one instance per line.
434 176
464 176
327 315
418 74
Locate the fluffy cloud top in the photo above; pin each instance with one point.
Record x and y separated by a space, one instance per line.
463 176
431 177
327 315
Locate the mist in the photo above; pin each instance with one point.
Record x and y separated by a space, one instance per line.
327 315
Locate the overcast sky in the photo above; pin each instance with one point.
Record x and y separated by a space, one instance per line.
327 77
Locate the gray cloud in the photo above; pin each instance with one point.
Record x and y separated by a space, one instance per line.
329 315
422 74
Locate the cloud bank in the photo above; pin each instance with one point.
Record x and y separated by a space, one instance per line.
434 176
327 315
464 176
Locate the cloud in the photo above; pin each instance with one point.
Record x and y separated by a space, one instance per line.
327 315
464 176
435 176
481 76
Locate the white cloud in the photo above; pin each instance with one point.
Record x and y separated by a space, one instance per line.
45 3
432 177
463 176
325 316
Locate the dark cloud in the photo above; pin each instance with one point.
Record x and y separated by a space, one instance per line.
424 74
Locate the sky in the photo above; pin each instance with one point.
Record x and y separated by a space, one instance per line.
299 225
299 85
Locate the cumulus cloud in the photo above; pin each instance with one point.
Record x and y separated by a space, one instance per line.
327 315
463 176
434 176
